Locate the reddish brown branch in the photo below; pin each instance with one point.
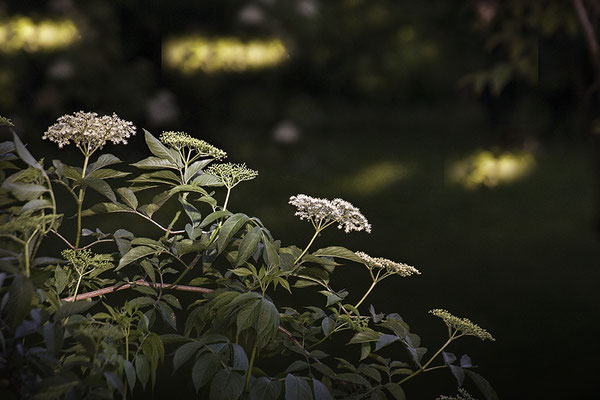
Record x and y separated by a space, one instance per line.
183 288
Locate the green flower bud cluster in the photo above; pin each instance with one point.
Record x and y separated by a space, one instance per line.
83 260
462 395
392 267
462 325
180 140
232 174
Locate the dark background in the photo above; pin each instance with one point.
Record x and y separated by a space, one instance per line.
375 102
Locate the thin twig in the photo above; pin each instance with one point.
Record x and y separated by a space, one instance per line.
62 237
96 242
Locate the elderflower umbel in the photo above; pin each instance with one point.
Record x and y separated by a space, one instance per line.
323 211
81 260
88 131
392 267
180 140
463 325
232 174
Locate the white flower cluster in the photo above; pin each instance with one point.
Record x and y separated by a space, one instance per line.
392 267
232 174
88 131
322 211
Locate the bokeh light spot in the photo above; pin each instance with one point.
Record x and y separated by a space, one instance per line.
24 34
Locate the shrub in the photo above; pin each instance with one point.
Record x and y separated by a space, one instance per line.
66 334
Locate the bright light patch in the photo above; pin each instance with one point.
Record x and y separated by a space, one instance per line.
193 53
23 33
486 169
375 177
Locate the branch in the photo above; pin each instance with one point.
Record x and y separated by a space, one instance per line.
183 288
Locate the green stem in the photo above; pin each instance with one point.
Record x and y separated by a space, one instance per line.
26 249
366 293
308 246
77 288
250 365
423 367
226 198
337 328
80 202
172 223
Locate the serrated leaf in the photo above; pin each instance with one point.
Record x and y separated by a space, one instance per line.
103 161
353 378
142 369
154 163
395 390
20 295
337 251
207 180
128 197
297 388
210 218
320 390
26 191
157 148
167 314
106 173
36 204
205 367
270 253
248 246
483 385
183 353
264 389
195 168
230 227
68 308
384 340
24 153
366 336
226 385
129 373
134 254
101 187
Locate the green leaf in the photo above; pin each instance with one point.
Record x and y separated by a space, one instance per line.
230 228
207 180
321 391
53 336
226 385
36 204
162 176
366 336
483 385
60 279
101 187
327 325
353 378
337 251
210 218
187 188
24 153
140 302
154 163
192 212
204 369
172 300
114 380
68 308
157 148
128 197
270 253
103 161
106 173
129 373
395 390
195 168
154 351
103 208
20 295
384 340
135 254
248 246
264 388
297 388
26 191
142 368
184 353
377 395
167 314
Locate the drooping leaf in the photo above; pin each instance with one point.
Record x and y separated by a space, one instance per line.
320 390
36 204
226 385
154 163
458 373
68 308
248 246
395 390
129 373
264 388
297 388
205 367
142 368
207 180
384 340
210 218
26 191
368 335
53 336
183 353
167 314
106 173
230 227
114 380
24 153
103 161
483 385
20 295
101 187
